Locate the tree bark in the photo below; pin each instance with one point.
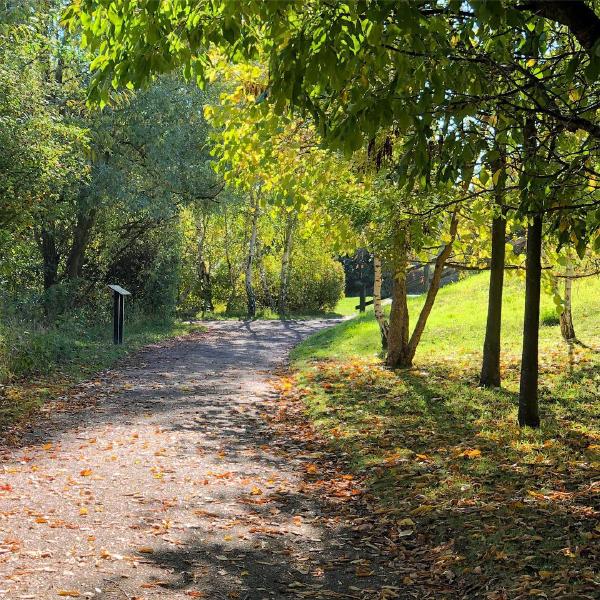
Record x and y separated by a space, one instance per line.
251 297
528 390
490 367
399 320
230 271
434 287
285 263
567 328
81 238
377 306
401 349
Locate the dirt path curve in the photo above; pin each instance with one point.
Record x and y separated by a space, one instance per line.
166 482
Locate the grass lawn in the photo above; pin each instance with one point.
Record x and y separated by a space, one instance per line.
515 511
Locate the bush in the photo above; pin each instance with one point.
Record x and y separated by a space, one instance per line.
549 318
316 285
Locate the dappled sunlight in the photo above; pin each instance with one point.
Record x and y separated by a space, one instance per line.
450 457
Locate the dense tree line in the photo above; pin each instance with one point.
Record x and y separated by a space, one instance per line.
469 113
130 195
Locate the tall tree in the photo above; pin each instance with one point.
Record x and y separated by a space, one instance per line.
490 368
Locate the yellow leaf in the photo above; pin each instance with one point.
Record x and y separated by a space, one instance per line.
85 472
256 491
83 510
496 176
421 510
472 453
69 593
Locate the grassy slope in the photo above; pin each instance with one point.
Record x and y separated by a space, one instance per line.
456 325
449 457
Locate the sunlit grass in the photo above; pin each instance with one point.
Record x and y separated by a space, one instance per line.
438 450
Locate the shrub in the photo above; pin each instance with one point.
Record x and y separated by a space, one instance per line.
549 318
316 285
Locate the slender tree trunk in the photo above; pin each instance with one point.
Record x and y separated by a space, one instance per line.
528 388
434 287
528 398
490 367
204 266
286 263
566 316
377 306
251 297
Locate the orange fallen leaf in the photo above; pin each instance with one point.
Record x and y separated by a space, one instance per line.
69 593
471 453
85 472
146 550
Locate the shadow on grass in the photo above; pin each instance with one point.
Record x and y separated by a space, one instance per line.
517 507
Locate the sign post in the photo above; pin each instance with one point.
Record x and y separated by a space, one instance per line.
119 294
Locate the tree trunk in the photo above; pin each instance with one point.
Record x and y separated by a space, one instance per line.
285 263
566 317
204 266
490 367
81 239
398 329
251 297
401 349
397 338
377 306
434 287
528 390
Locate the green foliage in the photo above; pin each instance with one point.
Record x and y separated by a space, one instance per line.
549 318
317 283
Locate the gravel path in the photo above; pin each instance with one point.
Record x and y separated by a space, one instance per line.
161 479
